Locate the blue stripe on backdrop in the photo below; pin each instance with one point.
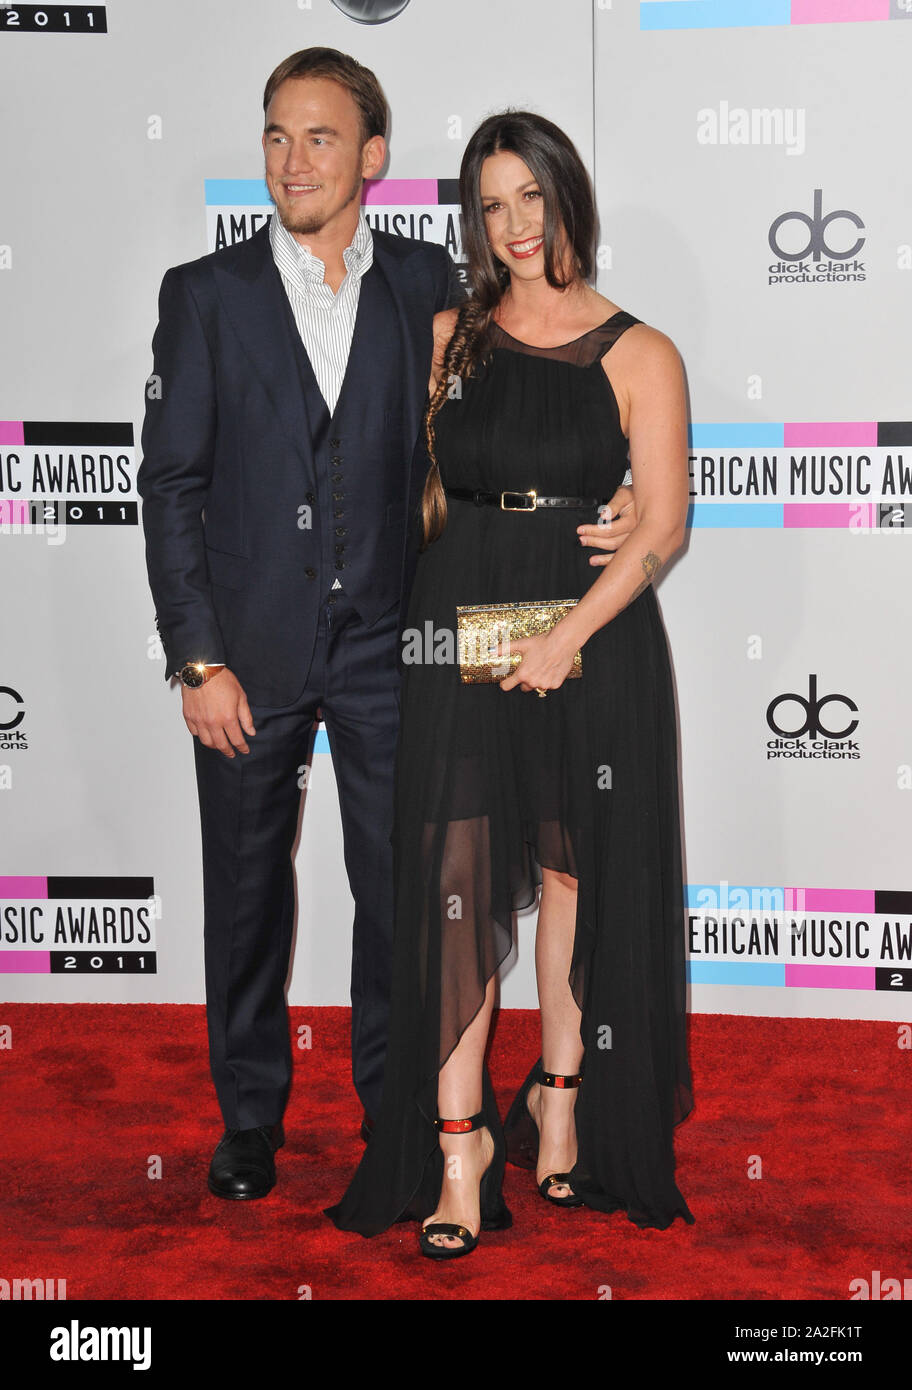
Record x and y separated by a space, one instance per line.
720 972
236 193
713 14
734 434
724 514
770 897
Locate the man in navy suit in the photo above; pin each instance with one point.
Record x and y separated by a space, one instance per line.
281 478
280 482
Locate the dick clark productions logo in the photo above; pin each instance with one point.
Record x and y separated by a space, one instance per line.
12 713
822 739
813 237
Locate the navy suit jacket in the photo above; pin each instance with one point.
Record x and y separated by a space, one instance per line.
228 458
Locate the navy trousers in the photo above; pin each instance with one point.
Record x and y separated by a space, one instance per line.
249 809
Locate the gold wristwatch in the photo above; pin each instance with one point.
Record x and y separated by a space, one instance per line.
196 673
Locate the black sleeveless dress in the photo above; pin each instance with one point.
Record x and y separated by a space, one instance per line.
492 786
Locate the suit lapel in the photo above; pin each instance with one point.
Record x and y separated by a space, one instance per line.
416 335
257 307
373 335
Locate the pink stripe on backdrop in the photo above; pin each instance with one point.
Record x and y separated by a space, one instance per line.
12 432
25 962
23 886
804 435
400 192
858 515
838 11
13 512
830 976
838 900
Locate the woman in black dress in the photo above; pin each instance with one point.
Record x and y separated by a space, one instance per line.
539 385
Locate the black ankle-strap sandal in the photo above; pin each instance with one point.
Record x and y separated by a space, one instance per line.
560 1083
522 1134
494 1214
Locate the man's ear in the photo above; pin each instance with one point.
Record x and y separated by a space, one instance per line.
372 156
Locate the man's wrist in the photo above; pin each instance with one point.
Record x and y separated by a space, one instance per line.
194 674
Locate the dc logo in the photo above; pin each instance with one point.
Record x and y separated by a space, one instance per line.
17 718
812 706
817 244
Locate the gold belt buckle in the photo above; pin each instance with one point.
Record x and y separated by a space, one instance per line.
530 508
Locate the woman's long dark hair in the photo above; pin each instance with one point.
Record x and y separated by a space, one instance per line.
566 191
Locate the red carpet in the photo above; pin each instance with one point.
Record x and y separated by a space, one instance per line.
93 1092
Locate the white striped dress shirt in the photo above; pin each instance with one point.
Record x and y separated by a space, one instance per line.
325 321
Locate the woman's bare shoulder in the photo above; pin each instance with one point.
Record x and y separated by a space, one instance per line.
642 350
642 340
643 364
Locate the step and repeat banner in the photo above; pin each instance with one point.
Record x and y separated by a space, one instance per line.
755 204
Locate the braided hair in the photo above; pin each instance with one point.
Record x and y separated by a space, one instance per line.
461 355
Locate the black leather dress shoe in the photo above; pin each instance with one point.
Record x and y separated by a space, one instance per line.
243 1165
367 1127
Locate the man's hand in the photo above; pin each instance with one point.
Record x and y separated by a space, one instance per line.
218 713
611 535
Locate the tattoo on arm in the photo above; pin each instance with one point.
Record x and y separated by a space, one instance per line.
651 566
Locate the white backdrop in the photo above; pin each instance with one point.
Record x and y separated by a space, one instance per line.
139 129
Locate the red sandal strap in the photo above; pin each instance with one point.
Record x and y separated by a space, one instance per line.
460 1126
561 1083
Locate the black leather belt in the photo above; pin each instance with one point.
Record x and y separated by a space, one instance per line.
520 501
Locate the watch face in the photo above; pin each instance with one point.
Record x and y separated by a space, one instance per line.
192 676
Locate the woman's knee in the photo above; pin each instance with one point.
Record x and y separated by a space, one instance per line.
555 881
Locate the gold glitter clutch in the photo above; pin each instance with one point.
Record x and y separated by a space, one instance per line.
482 628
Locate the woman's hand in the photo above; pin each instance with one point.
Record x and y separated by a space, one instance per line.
546 662
611 535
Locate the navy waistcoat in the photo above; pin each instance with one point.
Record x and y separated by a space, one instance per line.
359 509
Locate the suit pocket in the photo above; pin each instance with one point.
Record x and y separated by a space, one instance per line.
227 571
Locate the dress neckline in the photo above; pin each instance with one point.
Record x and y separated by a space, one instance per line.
556 347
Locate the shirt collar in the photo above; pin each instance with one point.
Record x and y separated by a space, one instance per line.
300 264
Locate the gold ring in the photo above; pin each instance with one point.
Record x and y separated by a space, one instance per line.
540 693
